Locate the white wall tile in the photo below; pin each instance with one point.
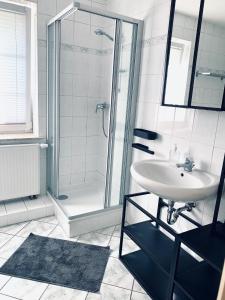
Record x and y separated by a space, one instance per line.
220 134
204 127
66 106
66 126
67 29
80 86
93 126
66 84
78 163
42 82
65 165
183 123
80 105
217 160
78 178
82 17
47 7
79 126
202 155
42 59
61 4
82 35
65 146
78 145
42 26
165 119
66 60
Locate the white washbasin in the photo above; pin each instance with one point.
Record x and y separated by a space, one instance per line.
172 183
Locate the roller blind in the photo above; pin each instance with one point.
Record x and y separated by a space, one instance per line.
14 86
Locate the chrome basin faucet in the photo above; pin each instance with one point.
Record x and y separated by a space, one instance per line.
188 165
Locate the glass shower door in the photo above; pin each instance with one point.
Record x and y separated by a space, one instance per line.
52 171
93 67
122 116
86 71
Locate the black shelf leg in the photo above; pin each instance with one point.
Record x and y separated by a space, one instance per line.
173 269
159 210
122 224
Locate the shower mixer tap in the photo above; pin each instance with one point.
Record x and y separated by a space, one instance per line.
101 106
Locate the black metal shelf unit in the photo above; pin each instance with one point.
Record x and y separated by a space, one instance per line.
162 267
146 272
207 243
199 283
157 246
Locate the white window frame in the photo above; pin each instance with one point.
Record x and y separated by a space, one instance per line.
31 125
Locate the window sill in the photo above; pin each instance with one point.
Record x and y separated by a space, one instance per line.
19 136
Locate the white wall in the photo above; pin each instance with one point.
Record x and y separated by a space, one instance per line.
201 132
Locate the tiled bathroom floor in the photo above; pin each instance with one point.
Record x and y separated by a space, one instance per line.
117 284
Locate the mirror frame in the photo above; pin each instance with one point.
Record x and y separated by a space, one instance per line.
195 56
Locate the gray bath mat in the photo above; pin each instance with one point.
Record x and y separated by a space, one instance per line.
60 262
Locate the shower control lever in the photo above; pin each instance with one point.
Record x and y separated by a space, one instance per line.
101 106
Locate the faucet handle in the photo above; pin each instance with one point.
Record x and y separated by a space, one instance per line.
190 162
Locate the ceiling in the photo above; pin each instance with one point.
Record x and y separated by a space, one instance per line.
214 9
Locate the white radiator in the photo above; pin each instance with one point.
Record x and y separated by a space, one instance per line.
19 171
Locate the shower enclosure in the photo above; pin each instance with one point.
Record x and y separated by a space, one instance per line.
93 70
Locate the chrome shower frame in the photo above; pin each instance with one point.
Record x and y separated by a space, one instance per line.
132 92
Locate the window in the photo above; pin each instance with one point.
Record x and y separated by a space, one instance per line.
18 67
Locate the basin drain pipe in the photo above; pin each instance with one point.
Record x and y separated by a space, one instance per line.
173 214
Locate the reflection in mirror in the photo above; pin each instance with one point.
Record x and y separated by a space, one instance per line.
210 69
181 52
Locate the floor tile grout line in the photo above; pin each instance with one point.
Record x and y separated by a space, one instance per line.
116 286
31 222
46 222
10 296
6 233
108 245
10 277
111 237
132 290
28 222
51 230
44 291
7 243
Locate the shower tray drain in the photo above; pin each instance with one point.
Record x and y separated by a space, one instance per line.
62 197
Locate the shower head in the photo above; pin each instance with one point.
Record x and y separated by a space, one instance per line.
101 32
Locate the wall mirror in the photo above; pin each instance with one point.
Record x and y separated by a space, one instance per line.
195 58
210 67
